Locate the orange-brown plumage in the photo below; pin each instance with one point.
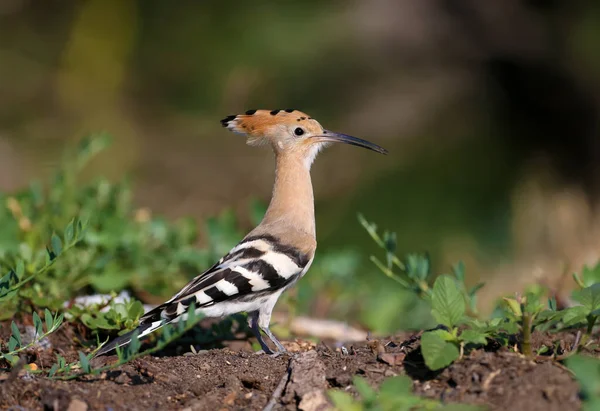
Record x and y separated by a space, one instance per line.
262 126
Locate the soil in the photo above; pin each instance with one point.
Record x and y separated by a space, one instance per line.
234 377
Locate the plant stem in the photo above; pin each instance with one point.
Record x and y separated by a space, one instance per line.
591 321
526 335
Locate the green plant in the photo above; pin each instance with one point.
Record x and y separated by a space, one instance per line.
414 272
584 314
443 346
452 303
112 246
18 285
454 307
395 394
16 343
119 316
587 372
588 311
170 332
588 276
523 312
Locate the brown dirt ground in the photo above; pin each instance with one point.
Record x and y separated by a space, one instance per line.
236 378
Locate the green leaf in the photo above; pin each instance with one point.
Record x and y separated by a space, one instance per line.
80 229
135 344
167 332
69 232
532 304
12 359
437 352
53 370
90 146
417 266
37 324
578 280
395 394
20 269
135 310
26 251
390 241
459 271
448 304
574 315
542 350
363 388
50 256
444 335
85 363
56 244
495 322
591 275
475 288
344 401
399 385
12 344
49 320
58 321
473 337
514 306
16 334
587 372
120 310
61 361
547 316
552 303
100 322
589 297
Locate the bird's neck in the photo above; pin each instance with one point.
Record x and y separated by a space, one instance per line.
292 203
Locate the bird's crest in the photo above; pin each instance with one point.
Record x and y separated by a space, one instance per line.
257 125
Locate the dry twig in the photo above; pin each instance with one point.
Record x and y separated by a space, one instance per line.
280 388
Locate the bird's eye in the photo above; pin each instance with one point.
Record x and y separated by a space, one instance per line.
298 131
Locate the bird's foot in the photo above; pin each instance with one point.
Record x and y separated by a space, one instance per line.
273 354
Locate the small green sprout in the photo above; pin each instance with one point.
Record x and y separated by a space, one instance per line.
523 311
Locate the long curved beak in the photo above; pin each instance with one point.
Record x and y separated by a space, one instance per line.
331 137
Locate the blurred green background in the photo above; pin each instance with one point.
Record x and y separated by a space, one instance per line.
489 111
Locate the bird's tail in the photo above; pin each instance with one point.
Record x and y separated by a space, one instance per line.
142 330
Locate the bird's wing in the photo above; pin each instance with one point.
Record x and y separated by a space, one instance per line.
257 265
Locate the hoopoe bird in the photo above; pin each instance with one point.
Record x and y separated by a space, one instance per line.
279 251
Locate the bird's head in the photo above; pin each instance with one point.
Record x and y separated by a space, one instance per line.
290 131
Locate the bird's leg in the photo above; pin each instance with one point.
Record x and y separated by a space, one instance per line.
253 323
264 319
280 348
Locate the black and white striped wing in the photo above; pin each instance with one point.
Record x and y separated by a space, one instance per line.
250 274
256 267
